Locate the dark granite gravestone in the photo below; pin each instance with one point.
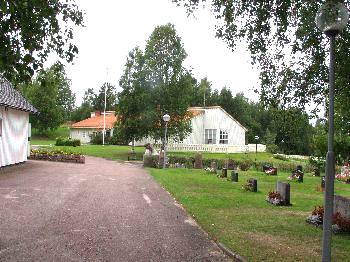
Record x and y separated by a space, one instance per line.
317 172
323 182
198 161
234 176
224 172
254 184
284 190
301 177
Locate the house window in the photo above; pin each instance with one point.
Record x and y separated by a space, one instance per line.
210 136
223 137
0 127
84 134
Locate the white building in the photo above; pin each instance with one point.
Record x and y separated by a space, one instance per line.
213 130
14 125
213 125
83 129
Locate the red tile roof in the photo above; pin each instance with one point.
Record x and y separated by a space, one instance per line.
196 111
96 122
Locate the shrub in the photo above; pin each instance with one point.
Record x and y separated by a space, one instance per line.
67 141
245 165
280 157
150 161
97 139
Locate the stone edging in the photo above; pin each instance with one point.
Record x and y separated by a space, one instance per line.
59 158
236 257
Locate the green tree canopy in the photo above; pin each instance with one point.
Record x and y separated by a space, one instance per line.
286 45
50 93
30 30
155 83
111 98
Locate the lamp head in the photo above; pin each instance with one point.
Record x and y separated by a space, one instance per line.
166 118
256 137
332 18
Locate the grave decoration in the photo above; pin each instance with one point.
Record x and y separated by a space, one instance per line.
280 197
344 175
339 223
212 169
251 185
223 173
270 170
297 175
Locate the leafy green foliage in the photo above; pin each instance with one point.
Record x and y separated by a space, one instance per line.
97 138
67 141
154 84
30 30
50 93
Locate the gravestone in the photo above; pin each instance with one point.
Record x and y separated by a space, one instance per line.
224 172
323 182
317 172
213 166
284 190
300 168
234 176
342 205
198 161
254 184
230 164
301 177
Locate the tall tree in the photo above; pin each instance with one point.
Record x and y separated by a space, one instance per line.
160 72
134 100
290 51
45 93
30 30
65 96
111 98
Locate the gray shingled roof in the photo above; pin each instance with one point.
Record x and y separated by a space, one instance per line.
12 98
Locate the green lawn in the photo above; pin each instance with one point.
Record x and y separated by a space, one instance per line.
249 225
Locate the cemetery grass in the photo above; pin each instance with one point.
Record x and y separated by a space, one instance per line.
246 223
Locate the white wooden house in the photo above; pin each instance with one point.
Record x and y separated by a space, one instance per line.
95 123
14 125
213 125
213 130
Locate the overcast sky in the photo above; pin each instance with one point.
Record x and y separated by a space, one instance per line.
113 28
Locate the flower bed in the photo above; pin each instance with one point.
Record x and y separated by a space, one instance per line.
56 155
274 198
339 223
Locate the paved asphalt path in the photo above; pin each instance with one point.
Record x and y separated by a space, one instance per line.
98 211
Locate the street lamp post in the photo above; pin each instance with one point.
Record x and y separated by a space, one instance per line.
166 119
256 146
331 18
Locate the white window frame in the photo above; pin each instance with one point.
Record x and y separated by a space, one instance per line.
223 137
210 136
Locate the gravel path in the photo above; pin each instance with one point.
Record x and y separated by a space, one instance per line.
98 211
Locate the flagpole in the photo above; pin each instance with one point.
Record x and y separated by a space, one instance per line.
104 114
